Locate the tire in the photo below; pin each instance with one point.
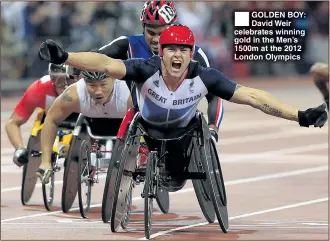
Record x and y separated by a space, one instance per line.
148 201
48 200
128 210
215 182
109 187
84 167
124 180
29 178
70 177
201 187
163 200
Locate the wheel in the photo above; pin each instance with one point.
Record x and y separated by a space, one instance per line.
29 178
149 188
48 189
216 184
163 200
84 181
124 180
110 181
201 187
128 210
220 184
70 177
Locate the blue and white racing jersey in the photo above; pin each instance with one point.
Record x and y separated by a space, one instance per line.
167 109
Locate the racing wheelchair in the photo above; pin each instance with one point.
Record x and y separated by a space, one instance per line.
201 165
107 201
89 155
60 149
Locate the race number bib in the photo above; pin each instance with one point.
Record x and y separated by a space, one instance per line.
167 13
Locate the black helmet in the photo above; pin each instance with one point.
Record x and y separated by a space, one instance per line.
72 72
90 76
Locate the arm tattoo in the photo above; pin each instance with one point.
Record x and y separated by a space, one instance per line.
66 97
271 110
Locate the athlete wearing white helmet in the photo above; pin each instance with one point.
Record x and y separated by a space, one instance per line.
99 97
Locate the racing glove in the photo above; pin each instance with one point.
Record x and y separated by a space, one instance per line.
316 116
52 53
21 156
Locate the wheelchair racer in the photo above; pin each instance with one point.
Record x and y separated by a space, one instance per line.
40 94
155 17
171 85
95 95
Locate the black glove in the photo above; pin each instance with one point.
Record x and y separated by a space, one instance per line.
21 156
317 116
52 53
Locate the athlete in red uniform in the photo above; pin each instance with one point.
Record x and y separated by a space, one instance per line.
41 93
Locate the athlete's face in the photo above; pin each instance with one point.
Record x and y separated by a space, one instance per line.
176 59
61 82
152 34
100 90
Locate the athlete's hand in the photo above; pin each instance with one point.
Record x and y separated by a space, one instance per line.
21 156
316 116
52 53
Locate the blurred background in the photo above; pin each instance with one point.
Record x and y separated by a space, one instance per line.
81 26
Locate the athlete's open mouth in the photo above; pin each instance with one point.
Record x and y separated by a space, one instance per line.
176 64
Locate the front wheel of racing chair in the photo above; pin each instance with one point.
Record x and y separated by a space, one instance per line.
84 180
212 168
150 187
48 200
60 147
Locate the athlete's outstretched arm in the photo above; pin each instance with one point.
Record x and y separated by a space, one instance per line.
97 62
90 61
63 106
220 85
265 102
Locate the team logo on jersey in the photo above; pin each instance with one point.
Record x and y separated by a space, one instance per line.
156 82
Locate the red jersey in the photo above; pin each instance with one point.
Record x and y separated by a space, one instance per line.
41 93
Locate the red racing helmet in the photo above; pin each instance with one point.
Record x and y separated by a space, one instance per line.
158 13
177 34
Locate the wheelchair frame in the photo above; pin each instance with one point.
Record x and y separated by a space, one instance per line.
80 163
204 170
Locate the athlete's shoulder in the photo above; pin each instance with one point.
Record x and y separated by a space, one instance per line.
200 56
139 69
194 69
119 40
135 36
42 85
47 86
